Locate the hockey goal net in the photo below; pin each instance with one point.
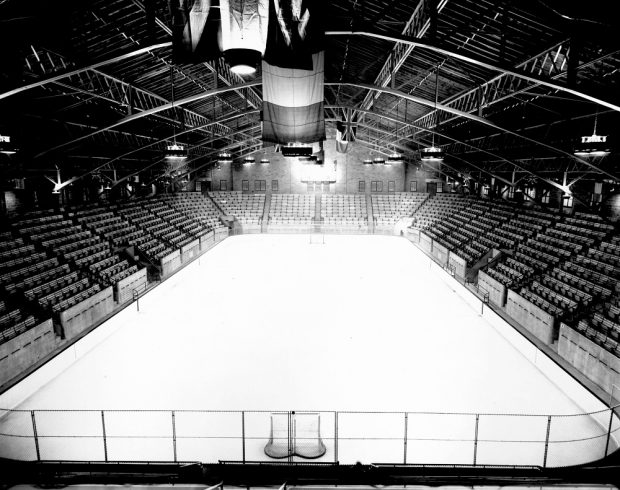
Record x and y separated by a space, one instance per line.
295 434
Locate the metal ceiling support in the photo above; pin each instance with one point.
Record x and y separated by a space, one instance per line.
99 84
507 71
159 142
152 111
219 67
510 162
550 63
416 27
481 120
76 71
504 86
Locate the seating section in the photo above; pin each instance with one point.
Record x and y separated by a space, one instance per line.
18 263
292 209
344 210
387 209
469 228
247 208
568 266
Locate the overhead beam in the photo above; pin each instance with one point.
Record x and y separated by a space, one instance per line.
151 112
478 119
478 62
77 71
417 25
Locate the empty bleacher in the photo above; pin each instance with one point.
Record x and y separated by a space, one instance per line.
388 209
292 209
247 208
344 210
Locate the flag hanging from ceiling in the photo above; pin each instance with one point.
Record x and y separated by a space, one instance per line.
293 73
244 31
345 131
196 30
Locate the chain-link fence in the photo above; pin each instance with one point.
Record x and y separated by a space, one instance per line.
344 437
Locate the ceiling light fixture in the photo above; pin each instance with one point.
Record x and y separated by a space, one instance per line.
6 147
594 145
433 153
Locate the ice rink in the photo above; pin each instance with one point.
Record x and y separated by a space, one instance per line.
266 323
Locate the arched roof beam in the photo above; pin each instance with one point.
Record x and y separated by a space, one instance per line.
151 112
157 142
452 54
77 71
481 120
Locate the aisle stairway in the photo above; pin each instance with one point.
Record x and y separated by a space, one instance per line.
371 217
266 208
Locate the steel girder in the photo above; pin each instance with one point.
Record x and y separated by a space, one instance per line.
549 64
222 69
416 27
101 85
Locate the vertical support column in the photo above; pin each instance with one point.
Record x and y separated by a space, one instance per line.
405 438
291 436
335 437
36 435
547 441
243 436
174 436
476 438
105 440
611 419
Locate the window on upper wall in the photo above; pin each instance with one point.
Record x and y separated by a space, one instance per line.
413 186
439 186
511 192
245 185
544 198
391 186
380 186
373 186
274 185
260 185
223 185
362 186
567 201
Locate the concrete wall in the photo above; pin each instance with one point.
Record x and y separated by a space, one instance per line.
459 264
125 287
440 253
170 263
426 243
495 289
349 171
589 358
81 316
25 350
189 251
533 318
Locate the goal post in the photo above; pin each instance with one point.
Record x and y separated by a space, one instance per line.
317 239
295 434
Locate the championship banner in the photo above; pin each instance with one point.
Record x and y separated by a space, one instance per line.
294 73
196 29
